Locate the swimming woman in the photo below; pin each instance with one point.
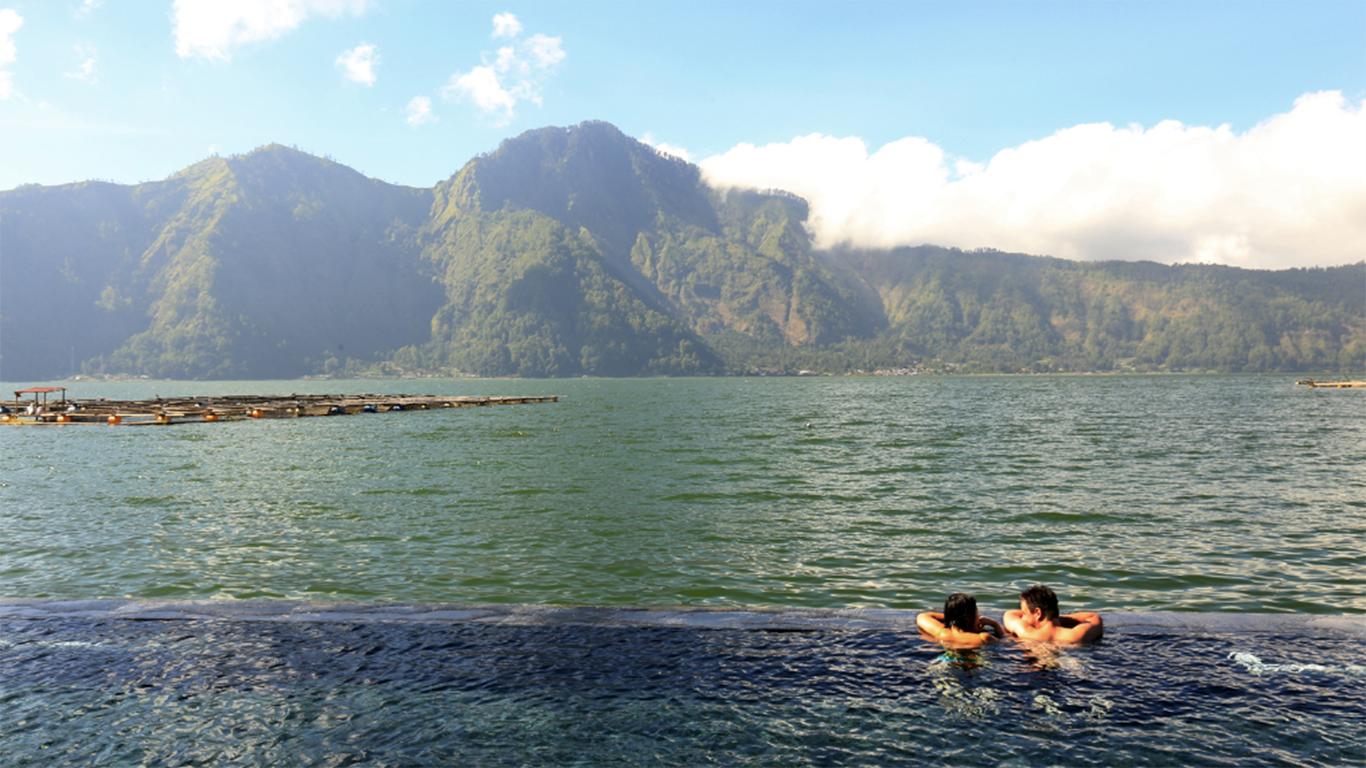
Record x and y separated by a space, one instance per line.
959 626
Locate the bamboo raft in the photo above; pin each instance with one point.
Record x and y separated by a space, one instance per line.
1332 384
182 410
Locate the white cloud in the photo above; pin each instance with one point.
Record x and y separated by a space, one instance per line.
420 111
10 22
1290 191
545 51
211 29
481 86
85 69
513 74
358 64
506 25
87 7
507 60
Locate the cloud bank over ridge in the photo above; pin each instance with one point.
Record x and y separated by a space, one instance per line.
1288 192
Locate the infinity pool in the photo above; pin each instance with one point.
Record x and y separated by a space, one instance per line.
115 682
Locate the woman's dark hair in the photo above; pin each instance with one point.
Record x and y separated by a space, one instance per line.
960 612
1042 598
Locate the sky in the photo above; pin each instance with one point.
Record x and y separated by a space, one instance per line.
1185 131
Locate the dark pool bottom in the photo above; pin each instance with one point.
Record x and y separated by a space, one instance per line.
123 683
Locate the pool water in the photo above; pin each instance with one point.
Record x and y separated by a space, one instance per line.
92 688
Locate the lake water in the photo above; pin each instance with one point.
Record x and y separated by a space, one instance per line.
1208 496
1199 493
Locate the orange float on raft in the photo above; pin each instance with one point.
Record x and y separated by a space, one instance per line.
256 413
163 418
62 418
114 419
210 417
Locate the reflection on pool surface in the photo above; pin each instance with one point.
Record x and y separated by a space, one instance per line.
95 689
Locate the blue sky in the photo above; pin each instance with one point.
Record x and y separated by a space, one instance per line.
703 76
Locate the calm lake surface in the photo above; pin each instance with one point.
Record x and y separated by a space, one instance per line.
1189 493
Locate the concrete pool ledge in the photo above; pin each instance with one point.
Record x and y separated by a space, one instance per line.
770 619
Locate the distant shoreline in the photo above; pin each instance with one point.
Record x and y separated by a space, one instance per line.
108 379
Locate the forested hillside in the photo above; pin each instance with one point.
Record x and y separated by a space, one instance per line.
264 265
1007 312
572 251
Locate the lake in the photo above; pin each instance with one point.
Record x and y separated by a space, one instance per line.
1194 493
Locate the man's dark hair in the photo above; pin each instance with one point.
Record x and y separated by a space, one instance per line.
960 612
1042 598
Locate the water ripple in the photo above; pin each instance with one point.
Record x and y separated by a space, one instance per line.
1128 492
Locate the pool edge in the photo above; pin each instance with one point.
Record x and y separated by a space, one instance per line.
759 618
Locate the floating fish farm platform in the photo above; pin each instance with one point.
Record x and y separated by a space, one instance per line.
181 410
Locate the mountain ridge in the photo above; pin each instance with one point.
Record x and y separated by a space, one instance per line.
581 251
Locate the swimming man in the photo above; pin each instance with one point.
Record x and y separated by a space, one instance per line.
1038 620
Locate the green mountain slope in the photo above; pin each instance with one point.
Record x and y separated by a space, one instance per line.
738 266
261 265
997 311
526 295
579 250
70 261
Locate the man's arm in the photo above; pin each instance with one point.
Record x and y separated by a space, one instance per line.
1087 627
931 623
1014 622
